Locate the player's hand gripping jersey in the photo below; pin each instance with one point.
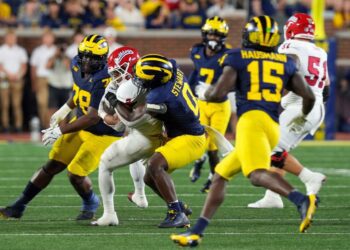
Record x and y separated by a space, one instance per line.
312 64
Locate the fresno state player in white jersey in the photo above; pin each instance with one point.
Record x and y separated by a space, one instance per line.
312 63
144 134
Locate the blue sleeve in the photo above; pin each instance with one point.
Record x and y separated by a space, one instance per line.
96 95
291 67
192 79
233 59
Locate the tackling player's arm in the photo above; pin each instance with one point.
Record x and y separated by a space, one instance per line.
225 84
89 119
298 85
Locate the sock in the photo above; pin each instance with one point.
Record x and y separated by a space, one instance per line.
87 196
107 188
200 226
296 197
271 195
175 205
28 194
210 176
305 175
137 172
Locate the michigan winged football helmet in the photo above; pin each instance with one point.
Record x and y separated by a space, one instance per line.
218 27
121 63
153 70
299 25
92 53
261 33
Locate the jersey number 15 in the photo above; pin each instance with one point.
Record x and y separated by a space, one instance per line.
256 93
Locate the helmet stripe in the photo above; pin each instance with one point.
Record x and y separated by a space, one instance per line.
268 29
260 29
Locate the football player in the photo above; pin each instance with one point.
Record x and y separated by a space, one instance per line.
78 145
312 63
170 99
259 75
206 57
144 134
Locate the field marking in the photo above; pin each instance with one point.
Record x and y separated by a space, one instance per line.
168 233
154 195
248 186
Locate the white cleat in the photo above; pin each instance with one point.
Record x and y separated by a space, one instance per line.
139 200
106 220
268 202
314 185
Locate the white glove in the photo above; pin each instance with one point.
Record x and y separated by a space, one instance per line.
59 115
200 90
51 135
296 125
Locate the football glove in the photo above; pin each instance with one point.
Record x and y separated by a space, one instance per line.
296 125
59 115
51 135
200 90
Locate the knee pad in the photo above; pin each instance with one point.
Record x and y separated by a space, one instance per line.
278 159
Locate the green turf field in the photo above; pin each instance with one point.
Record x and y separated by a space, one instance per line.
49 220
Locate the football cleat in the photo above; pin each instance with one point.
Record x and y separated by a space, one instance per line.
268 201
187 239
175 219
314 185
106 220
196 170
206 187
89 209
185 208
86 215
138 200
307 210
11 212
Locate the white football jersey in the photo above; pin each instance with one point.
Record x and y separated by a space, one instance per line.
146 124
312 64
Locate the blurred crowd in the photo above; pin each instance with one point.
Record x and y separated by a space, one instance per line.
46 70
149 14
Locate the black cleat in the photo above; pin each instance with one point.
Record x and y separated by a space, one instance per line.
86 215
10 212
175 219
307 210
206 187
196 170
186 209
186 239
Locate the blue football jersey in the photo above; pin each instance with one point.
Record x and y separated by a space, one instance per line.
206 68
261 77
182 116
88 92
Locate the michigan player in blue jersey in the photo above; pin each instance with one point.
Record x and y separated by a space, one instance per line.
259 75
206 58
170 100
78 145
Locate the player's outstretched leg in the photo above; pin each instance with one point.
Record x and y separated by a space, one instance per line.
40 180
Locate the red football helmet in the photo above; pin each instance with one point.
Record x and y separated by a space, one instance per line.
121 63
299 25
